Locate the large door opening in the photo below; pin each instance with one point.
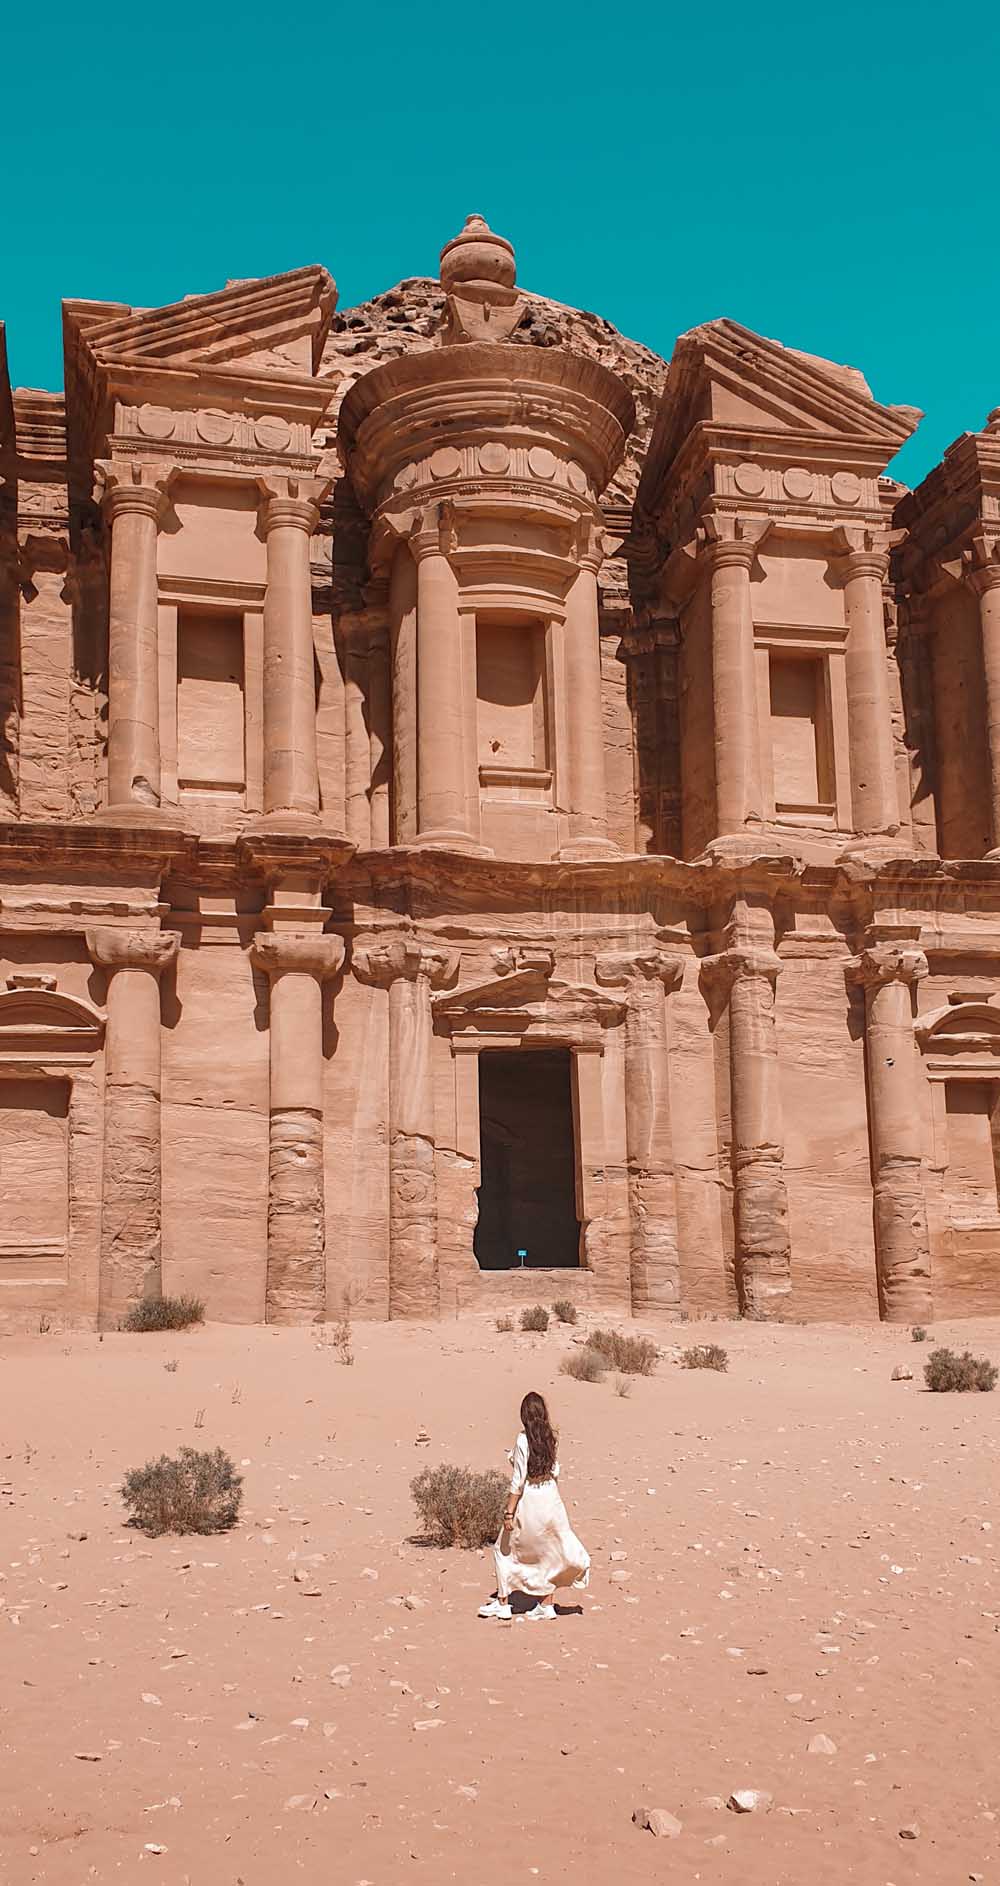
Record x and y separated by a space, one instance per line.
527 1198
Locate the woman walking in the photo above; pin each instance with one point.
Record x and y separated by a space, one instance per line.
537 1551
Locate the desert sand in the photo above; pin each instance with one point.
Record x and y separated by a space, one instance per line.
799 1548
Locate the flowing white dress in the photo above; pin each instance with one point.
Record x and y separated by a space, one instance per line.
543 1552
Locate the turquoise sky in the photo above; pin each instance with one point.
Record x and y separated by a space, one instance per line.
828 176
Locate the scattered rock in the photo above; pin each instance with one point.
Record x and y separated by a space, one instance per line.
750 1801
88 1755
902 1374
301 1803
656 1820
912 1832
822 1745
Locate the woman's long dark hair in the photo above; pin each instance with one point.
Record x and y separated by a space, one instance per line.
540 1436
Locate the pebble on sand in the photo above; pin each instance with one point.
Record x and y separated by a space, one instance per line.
658 1821
750 1801
822 1745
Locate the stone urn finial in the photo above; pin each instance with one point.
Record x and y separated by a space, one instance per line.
478 275
992 419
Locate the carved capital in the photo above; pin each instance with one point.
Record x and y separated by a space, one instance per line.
297 953
383 963
124 497
638 966
520 959
284 513
132 949
983 568
888 962
738 965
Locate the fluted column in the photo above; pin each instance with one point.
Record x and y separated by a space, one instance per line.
738 793
291 775
874 799
409 970
296 966
134 513
444 814
986 583
887 972
587 805
647 975
130 1203
747 974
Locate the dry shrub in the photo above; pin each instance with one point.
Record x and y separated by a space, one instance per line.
630 1355
919 1333
705 1355
163 1313
564 1311
459 1507
584 1365
504 1325
945 1372
536 1318
193 1493
623 1386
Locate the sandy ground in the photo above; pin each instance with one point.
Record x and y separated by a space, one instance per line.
800 1547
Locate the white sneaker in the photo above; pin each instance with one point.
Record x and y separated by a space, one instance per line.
497 1608
540 1611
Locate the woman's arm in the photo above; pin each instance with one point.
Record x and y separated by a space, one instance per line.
517 1480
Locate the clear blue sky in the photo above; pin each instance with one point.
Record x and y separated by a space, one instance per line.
828 175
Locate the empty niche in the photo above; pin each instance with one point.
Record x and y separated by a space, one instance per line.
800 735
971 1111
34 1180
211 743
511 700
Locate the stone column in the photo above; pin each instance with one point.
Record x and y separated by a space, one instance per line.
130 1203
409 970
654 1260
380 736
587 808
403 639
357 746
874 799
738 794
291 774
887 973
444 816
296 966
134 513
747 974
986 583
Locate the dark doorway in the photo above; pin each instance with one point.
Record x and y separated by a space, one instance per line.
527 1198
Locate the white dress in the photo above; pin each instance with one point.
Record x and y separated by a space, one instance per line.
544 1552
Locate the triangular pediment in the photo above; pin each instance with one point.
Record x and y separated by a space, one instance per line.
280 322
725 376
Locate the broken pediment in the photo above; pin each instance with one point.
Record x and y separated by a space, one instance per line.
525 999
724 376
40 1022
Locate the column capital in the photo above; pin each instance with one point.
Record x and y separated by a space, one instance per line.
983 572
133 497
407 957
727 542
278 511
631 967
297 953
740 964
882 963
112 948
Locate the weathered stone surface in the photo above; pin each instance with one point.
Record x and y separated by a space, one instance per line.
451 676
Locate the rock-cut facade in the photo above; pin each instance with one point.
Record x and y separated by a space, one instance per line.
487 814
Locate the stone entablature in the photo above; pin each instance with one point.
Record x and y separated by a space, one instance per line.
357 734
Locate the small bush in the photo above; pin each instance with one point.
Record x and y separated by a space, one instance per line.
504 1325
194 1493
919 1334
564 1311
459 1507
536 1318
630 1355
171 1366
705 1355
623 1386
584 1365
945 1372
164 1313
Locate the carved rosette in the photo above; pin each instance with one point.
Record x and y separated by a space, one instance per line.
409 969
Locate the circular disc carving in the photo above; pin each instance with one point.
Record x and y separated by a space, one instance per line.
577 476
405 477
798 482
493 458
272 433
155 422
749 479
445 463
215 428
542 462
846 487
